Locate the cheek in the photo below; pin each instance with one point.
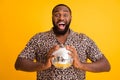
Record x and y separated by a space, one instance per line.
55 20
68 20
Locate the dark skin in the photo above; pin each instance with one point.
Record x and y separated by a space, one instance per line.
62 14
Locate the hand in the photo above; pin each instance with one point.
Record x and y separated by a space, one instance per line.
50 56
98 66
74 55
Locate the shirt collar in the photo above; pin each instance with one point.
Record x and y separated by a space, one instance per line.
70 34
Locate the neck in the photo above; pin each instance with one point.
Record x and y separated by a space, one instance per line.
62 38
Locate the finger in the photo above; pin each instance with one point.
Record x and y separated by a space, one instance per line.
71 55
54 48
50 57
70 48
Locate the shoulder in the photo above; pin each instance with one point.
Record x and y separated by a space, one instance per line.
83 37
41 34
80 35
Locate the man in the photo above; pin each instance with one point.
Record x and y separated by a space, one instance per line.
42 45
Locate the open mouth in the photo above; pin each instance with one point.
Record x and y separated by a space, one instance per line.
61 25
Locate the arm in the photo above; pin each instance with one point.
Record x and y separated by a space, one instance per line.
31 66
100 65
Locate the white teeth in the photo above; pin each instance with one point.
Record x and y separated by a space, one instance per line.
61 23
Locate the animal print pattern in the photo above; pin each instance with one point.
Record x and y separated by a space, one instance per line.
39 45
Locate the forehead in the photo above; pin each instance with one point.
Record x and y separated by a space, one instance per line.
61 8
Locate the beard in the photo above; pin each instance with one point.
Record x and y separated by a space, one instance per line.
57 31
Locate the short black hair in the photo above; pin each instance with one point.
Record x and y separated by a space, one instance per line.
61 5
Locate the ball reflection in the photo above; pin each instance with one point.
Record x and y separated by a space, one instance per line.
62 58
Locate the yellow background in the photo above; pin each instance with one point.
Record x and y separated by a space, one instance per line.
21 19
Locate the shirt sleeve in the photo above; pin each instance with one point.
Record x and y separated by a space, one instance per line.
93 52
30 49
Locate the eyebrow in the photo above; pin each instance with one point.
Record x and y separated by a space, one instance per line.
63 11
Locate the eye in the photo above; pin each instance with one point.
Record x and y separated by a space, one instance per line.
65 15
57 15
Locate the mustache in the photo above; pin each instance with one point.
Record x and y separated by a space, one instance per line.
56 31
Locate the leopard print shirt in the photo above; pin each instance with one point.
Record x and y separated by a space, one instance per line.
40 44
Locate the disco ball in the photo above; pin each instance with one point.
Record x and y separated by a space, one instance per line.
62 59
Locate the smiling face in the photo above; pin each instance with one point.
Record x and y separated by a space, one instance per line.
61 18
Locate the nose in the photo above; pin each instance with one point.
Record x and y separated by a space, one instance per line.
61 17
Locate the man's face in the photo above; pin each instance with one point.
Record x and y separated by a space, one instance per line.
61 19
